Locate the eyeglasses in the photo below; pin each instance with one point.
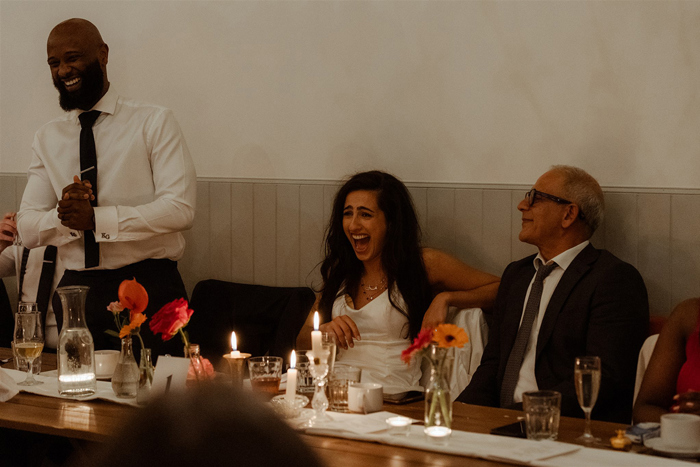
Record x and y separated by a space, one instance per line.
533 195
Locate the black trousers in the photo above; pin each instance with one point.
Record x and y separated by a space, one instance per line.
161 280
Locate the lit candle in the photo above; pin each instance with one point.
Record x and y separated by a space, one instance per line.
316 345
234 347
399 425
291 379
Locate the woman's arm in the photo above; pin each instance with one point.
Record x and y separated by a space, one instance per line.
659 384
456 284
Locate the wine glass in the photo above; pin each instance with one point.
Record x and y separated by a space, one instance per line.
587 378
29 341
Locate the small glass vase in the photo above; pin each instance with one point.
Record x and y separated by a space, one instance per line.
143 394
196 365
125 380
438 403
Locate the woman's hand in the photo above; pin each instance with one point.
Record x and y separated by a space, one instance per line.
688 402
437 311
344 329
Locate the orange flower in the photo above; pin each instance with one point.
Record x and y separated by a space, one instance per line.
450 335
133 296
137 320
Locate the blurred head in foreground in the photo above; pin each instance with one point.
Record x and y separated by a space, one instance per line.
214 426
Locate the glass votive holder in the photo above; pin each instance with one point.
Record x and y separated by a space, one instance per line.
399 426
286 408
438 434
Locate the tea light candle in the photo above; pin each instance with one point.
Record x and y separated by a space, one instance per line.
399 425
316 336
291 379
438 434
234 346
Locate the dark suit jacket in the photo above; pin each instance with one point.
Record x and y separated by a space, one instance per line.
599 307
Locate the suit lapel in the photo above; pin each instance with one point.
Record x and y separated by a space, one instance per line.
576 270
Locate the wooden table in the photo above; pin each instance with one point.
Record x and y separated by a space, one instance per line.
102 420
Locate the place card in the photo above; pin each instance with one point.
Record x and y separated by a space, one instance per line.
170 375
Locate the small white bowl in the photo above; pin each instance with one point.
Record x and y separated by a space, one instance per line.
105 363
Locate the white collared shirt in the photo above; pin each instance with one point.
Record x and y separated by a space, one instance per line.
146 185
527 380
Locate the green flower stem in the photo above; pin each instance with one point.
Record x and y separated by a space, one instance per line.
183 336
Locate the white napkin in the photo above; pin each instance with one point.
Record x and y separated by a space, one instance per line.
8 387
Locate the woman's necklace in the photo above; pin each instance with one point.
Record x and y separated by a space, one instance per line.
372 291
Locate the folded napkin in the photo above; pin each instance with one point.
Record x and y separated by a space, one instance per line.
8 387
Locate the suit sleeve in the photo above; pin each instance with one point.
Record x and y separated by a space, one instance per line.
618 325
483 389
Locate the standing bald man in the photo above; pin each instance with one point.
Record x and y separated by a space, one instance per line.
111 184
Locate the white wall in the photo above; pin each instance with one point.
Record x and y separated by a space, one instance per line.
465 91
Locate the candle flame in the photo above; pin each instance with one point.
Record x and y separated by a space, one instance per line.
316 320
234 343
293 360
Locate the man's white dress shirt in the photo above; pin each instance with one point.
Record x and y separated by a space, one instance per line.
527 380
146 185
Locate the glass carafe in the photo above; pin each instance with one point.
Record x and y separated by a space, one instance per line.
76 350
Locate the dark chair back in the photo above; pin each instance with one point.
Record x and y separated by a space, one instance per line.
266 319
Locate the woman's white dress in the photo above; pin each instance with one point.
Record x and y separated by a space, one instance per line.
383 330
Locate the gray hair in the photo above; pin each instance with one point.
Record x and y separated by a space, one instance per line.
581 188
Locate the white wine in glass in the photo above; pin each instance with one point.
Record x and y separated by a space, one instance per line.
587 379
29 341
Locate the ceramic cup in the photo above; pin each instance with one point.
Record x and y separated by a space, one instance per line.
365 397
105 362
680 431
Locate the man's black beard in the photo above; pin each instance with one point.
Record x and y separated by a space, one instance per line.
90 89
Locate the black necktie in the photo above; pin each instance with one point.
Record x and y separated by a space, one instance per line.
43 293
23 270
88 171
517 353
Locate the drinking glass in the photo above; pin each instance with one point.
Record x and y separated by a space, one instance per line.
29 341
587 378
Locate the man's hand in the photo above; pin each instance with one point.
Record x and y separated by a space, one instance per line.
8 230
74 209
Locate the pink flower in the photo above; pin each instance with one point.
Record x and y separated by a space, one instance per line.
207 370
171 318
419 343
115 307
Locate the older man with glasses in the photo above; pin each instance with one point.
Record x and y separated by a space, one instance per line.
568 300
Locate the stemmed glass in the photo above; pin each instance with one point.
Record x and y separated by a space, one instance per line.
320 363
587 378
29 341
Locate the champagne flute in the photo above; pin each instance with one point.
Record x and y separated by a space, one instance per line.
29 341
587 378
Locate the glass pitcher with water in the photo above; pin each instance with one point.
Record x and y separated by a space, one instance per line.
76 351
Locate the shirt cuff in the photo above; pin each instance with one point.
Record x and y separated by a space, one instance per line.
63 230
106 224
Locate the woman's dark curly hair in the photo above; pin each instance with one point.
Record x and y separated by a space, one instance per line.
402 257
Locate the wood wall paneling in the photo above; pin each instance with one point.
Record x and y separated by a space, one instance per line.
271 233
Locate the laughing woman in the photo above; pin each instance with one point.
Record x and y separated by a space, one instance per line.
380 287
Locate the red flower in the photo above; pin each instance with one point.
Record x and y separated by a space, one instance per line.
420 342
133 296
171 318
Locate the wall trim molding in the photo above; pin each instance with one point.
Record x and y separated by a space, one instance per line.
452 185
